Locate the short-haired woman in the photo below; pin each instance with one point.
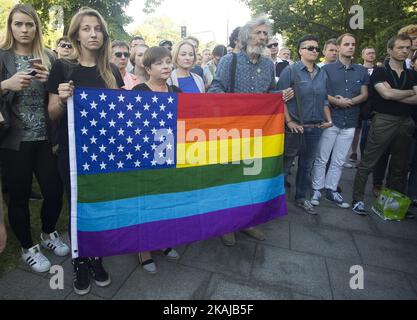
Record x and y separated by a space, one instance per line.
158 64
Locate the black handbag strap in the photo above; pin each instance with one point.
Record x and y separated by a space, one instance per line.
233 73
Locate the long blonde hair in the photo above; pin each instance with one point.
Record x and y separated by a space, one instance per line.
38 48
103 56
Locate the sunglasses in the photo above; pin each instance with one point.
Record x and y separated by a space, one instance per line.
269 46
312 48
65 45
120 54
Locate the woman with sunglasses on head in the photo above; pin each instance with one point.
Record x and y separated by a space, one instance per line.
26 148
305 116
120 57
89 67
184 58
158 64
136 60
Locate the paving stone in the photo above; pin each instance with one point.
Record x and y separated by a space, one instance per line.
299 296
413 281
298 215
16 283
406 229
172 282
212 255
227 288
303 273
395 254
277 233
22 285
378 283
320 241
331 216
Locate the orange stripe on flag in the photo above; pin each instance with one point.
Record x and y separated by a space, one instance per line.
227 127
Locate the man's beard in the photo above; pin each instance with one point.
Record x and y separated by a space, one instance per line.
258 50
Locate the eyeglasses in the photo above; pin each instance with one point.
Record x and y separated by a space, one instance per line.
269 46
65 45
312 48
120 54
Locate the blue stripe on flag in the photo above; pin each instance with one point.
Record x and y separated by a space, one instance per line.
116 214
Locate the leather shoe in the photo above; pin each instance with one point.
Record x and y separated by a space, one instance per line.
229 239
255 233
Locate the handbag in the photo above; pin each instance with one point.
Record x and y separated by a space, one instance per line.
391 205
4 119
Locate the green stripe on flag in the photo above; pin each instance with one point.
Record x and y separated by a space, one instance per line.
122 185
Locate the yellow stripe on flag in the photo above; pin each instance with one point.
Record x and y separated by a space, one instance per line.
193 154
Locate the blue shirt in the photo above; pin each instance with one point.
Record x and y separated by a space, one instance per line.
312 93
250 77
187 84
345 82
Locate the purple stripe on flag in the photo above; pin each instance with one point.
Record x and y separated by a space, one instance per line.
175 232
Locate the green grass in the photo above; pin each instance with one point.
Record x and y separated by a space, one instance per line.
10 258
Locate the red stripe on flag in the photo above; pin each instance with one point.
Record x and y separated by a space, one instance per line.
195 105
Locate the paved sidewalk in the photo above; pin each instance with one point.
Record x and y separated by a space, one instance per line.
304 257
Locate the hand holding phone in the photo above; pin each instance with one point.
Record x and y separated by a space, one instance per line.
33 61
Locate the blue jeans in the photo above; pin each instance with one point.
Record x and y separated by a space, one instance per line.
306 152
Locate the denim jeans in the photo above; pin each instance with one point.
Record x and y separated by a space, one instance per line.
306 155
334 140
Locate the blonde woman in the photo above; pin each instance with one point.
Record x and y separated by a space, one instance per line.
88 67
184 58
26 148
136 60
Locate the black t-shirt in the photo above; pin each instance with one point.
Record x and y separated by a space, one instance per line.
407 81
144 87
62 71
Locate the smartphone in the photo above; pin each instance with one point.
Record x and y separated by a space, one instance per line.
33 61
31 72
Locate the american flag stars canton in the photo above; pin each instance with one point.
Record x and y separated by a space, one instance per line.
118 130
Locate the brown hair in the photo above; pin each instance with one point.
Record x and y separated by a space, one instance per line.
154 54
401 36
103 54
38 47
340 38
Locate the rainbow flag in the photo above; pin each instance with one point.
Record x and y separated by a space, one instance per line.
156 170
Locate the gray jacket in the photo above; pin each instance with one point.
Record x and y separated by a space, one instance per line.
173 80
7 100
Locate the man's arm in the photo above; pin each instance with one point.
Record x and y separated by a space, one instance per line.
411 100
387 93
362 97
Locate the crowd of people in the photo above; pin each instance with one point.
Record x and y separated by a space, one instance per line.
331 108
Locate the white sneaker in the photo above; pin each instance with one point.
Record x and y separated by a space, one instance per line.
315 199
55 244
36 260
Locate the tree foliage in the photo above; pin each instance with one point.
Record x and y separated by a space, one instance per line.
155 29
331 18
111 10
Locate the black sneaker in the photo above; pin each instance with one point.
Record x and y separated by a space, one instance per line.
81 283
359 207
101 277
409 215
